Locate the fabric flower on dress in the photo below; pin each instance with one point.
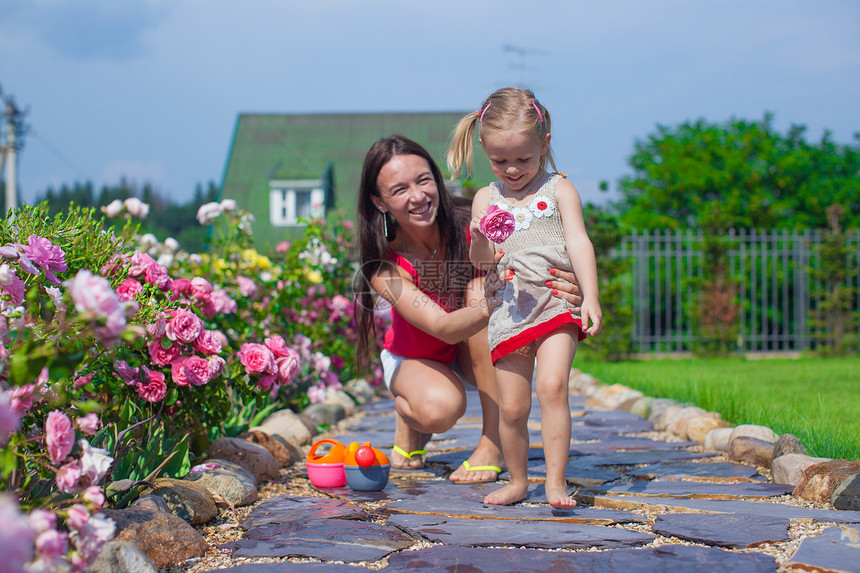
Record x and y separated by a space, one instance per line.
522 218
541 207
497 225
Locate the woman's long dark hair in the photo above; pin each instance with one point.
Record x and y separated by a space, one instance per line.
452 216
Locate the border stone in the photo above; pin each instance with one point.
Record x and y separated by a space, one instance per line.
847 495
789 468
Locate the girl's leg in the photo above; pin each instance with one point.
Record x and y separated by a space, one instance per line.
514 375
476 366
555 353
428 398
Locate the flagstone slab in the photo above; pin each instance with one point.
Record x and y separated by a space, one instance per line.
670 558
697 489
736 531
520 533
628 443
714 471
348 540
836 549
378 423
467 501
617 420
290 567
680 504
638 457
287 508
379 406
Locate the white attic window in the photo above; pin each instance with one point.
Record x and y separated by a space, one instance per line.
294 199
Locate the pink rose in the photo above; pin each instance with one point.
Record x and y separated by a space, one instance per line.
9 419
184 327
68 477
157 275
277 345
200 287
157 329
196 370
16 540
265 382
497 225
162 356
247 287
59 436
88 424
12 285
41 520
94 495
138 264
208 343
51 545
216 366
153 389
46 256
223 303
94 296
178 373
78 516
82 381
22 398
181 287
288 367
128 289
257 359
126 372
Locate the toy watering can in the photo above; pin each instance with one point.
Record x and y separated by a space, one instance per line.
327 470
366 467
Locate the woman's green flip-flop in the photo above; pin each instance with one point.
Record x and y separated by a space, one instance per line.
479 469
402 452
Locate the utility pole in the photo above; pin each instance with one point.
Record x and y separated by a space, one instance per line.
13 122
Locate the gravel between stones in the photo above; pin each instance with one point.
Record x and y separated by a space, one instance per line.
226 527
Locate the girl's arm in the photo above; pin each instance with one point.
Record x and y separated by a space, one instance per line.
395 285
581 253
481 251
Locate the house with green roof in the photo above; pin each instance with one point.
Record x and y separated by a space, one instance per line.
286 168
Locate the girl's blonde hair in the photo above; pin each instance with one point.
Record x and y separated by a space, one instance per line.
505 109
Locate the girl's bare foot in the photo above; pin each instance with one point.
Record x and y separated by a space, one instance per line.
509 494
410 441
557 496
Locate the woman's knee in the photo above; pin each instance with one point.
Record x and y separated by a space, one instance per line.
438 410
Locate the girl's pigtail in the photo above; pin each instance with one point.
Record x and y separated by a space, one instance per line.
460 152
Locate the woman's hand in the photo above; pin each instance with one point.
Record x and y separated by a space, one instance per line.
565 286
493 284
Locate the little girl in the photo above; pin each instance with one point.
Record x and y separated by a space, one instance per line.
531 326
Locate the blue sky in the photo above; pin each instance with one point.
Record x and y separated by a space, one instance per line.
151 89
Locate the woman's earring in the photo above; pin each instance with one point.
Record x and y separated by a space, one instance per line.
385 230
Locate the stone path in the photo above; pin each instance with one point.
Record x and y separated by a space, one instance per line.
644 505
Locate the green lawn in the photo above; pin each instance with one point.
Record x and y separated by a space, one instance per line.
816 399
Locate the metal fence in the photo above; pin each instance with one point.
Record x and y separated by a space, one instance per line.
776 294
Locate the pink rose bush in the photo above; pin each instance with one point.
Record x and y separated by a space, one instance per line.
497 224
136 341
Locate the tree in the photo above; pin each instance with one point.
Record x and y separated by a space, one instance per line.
758 177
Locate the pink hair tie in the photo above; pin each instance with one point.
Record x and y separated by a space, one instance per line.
481 117
537 109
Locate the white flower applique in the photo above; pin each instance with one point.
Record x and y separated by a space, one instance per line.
541 206
522 218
